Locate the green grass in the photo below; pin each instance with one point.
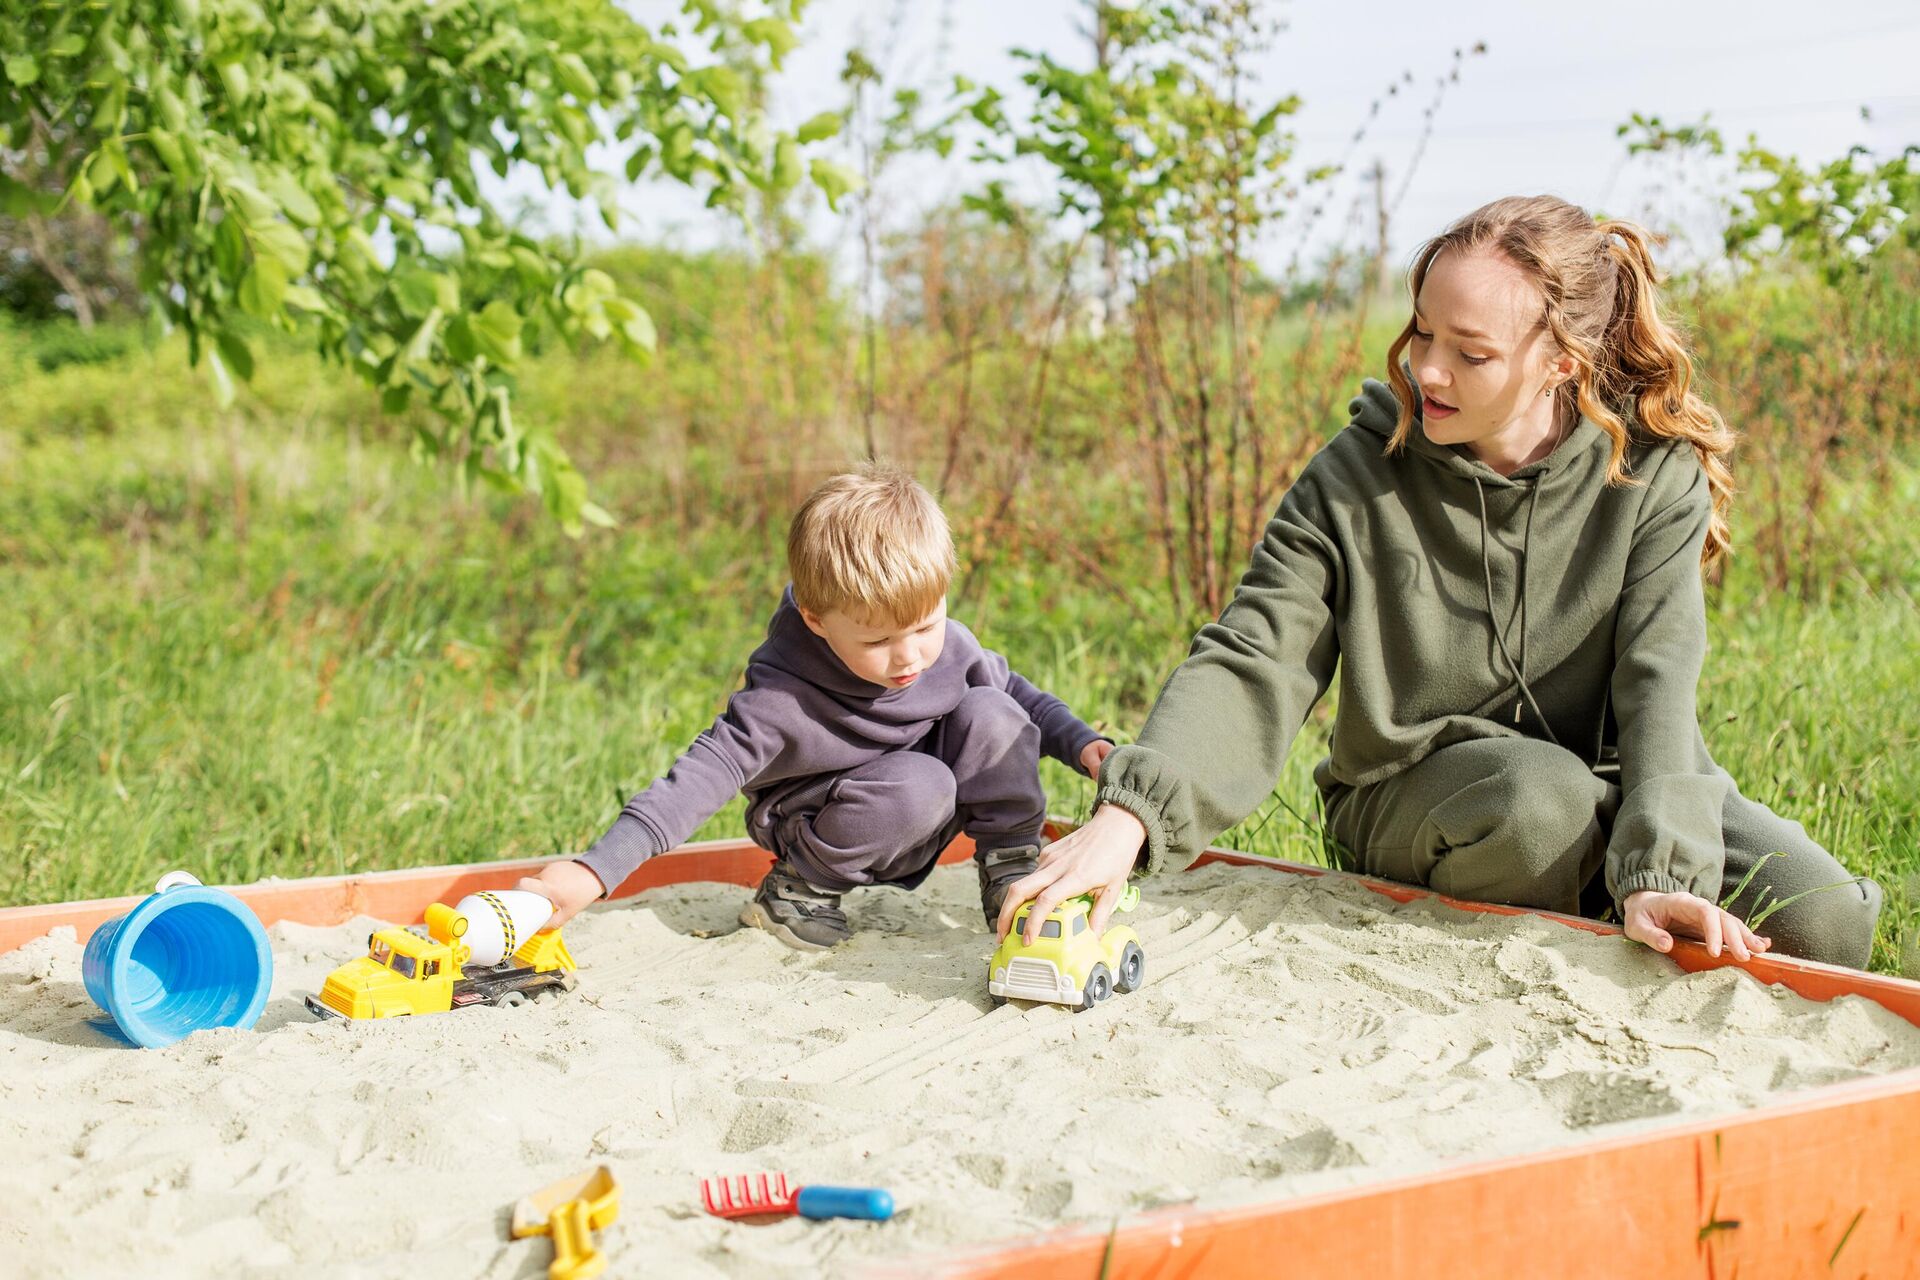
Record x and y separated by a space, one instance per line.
263 644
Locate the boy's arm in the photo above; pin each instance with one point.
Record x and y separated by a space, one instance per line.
1063 735
720 762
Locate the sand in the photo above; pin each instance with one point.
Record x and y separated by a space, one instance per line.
1293 1035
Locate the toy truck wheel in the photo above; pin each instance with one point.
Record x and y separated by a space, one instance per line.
1099 986
1133 969
509 1000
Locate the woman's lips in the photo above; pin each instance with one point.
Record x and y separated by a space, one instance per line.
1434 409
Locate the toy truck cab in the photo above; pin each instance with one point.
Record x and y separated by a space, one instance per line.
1068 963
402 973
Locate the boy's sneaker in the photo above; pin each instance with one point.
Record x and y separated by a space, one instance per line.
795 912
999 868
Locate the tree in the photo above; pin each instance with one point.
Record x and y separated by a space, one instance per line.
313 168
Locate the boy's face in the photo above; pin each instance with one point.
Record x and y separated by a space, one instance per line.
882 651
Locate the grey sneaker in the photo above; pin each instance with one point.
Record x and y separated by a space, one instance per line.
999 868
803 917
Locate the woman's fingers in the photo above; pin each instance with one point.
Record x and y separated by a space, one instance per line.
1735 931
1710 927
1103 905
1022 890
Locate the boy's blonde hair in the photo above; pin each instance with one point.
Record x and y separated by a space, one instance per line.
872 544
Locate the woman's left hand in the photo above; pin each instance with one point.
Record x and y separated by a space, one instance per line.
1093 755
1654 918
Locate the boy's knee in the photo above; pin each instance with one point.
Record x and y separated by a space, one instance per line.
903 782
984 712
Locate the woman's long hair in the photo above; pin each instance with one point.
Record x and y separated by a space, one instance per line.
1602 306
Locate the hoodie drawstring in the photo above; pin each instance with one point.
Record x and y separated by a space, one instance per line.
1517 670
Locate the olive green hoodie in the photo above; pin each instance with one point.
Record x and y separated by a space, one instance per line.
1457 604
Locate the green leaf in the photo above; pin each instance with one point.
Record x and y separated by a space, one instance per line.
775 35
786 165
263 290
293 199
22 69
307 299
362 244
833 180
283 242
167 147
69 45
575 78
420 346
595 514
416 291
249 201
233 349
635 325
721 86
234 77
496 330
823 126
222 381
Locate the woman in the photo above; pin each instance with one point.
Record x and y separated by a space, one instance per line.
1503 553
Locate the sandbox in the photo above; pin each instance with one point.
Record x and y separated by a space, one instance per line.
1321 1070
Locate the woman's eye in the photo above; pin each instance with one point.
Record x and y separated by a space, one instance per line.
1474 359
1422 335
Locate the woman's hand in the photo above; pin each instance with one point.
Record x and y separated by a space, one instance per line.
1093 755
568 885
1098 857
1654 918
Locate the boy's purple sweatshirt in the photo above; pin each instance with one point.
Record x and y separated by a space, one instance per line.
801 714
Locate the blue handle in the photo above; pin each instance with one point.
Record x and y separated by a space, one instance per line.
871 1203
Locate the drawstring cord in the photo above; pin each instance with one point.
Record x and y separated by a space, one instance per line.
1517 670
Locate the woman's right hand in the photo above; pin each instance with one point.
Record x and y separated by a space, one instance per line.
1097 858
568 885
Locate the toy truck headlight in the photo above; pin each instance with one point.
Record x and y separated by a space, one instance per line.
1000 974
1068 987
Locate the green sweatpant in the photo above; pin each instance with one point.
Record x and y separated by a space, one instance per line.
1521 821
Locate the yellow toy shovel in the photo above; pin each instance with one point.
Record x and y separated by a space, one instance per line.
570 1211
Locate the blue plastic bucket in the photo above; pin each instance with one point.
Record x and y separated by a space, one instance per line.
185 959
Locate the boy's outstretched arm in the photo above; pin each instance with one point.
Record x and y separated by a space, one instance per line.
709 773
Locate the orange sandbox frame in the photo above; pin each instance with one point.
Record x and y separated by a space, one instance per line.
1825 1182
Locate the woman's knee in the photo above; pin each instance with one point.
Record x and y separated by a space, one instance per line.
1527 833
1833 923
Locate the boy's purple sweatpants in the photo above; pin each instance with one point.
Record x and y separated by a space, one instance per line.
886 821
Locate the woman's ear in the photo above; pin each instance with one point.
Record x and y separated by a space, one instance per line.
1561 369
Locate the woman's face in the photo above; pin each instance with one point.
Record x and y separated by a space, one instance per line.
1481 353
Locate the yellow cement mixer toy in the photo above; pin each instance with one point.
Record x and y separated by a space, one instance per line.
470 954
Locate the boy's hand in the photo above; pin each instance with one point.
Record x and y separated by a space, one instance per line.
1093 755
1654 918
1098 857
568 885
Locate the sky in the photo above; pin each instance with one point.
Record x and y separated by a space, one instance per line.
1537 112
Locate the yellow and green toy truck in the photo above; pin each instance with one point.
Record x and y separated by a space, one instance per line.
405 973
1068 963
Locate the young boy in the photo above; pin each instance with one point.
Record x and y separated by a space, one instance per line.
871 729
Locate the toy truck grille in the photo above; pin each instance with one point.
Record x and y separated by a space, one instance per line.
1032 979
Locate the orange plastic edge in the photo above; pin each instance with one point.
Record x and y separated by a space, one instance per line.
1825 1180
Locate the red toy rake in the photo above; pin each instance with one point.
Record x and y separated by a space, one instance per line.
754 1195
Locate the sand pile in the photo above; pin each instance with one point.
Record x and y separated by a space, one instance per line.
1293 1035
